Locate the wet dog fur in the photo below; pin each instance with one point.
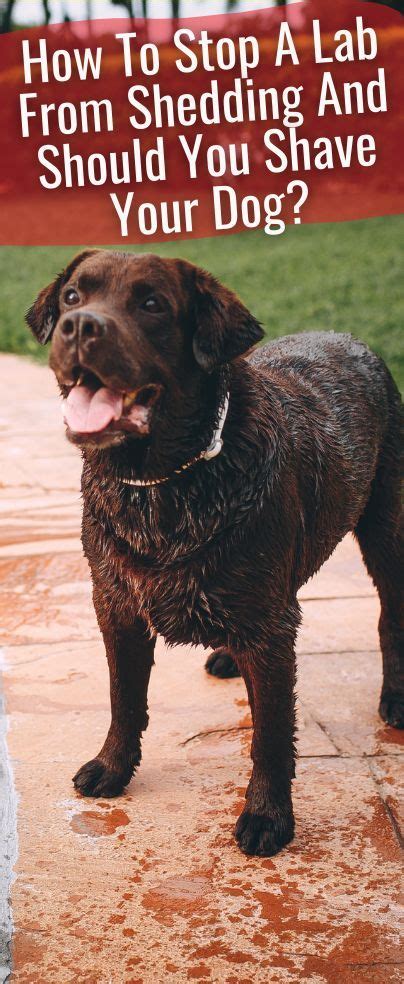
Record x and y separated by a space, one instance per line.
216 555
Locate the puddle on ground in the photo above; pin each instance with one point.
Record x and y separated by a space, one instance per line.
94 824
388 736
178 894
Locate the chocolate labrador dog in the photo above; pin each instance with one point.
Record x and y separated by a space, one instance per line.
215 483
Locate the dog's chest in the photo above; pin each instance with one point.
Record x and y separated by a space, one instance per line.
174 558
180 606
172 568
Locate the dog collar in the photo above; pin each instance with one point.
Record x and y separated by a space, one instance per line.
212 451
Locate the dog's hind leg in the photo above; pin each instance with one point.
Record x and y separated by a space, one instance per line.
221 664
380 533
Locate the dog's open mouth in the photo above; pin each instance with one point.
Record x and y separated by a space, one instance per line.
92 408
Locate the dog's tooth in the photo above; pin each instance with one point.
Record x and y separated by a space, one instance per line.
128 398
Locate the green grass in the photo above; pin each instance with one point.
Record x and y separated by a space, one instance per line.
344 276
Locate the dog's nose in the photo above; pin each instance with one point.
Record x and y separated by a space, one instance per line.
83 327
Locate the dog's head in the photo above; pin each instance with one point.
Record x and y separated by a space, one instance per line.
127 331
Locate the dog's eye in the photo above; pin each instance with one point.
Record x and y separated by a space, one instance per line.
71 296
151 304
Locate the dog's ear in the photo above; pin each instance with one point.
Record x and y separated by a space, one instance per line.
44 313
225 328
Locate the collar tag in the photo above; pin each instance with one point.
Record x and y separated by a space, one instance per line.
213 450
216 443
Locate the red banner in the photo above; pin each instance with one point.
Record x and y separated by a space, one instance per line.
138 132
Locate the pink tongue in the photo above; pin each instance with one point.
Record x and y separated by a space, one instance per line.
87 412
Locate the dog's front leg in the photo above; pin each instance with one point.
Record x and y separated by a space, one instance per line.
267 823
129 650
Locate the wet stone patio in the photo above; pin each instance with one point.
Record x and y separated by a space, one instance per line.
151 887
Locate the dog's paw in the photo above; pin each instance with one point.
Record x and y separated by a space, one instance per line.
221 664
96 779
263 836
391 709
